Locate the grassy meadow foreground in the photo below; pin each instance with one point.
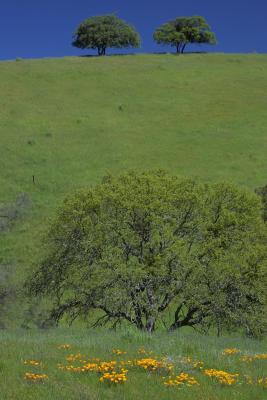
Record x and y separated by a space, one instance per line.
68 364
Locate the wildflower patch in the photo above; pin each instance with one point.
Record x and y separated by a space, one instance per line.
180 372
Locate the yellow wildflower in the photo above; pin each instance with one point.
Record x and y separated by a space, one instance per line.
222 376
35 377
114 377
230 352
64 347
182 379
118 352
32 363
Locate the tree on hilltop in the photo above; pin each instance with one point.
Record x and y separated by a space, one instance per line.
105 31
183 31
139 245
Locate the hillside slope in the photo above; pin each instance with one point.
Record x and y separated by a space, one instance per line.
68 121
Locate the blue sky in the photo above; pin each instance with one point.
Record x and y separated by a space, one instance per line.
34 28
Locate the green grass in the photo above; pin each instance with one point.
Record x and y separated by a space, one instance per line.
68 121
19 346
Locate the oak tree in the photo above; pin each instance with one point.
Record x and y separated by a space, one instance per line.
183 31
105 31
141 244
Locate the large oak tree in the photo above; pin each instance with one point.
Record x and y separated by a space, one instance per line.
141 244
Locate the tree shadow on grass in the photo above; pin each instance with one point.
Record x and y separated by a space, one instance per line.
107 55
136 54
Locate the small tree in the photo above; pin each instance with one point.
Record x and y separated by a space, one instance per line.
140 244
183 31
106 31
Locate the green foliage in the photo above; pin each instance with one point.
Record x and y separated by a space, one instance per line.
105 31
262 192
183 31
143 243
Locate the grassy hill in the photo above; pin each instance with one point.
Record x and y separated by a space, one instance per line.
68 121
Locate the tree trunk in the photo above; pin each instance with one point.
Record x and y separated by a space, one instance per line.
178 48
183 48
150 325
188 320
177 324
218 328
101 51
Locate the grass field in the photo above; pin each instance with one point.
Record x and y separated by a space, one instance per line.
141 384
68 121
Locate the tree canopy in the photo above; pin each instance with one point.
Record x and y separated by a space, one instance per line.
105 31
183 31
141 244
